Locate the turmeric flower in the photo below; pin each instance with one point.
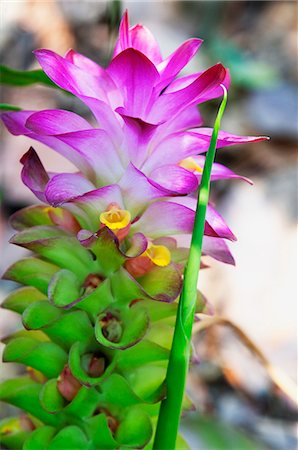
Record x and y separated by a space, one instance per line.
145 145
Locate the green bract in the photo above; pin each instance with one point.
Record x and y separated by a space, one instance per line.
95 354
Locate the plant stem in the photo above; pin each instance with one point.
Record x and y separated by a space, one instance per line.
170 410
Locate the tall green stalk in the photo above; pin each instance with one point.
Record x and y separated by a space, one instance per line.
170 410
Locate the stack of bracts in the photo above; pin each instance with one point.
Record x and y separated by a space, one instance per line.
100 290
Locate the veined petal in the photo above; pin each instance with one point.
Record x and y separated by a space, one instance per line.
64 187
171 66
225 139
55 121
137 135
34 175
174 148
188 118
98 150
138 191
107 119
135 76
217 249
175 178
16 124
139 38
218 224
171 104
84 63
74 79
183 82
181 214
164 219
219 171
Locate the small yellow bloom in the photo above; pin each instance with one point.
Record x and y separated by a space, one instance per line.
190 164
158 254
115 218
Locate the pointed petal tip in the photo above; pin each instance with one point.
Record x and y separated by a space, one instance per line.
30 153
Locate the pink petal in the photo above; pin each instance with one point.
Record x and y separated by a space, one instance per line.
215 226
97 149
183 82
137 135
107 119
84 63
219 171
15 122
175 178
217 249
164 219
135 77
168 105
66 186
138 191
174 148
33 173
225 138
56 121
171 66
218 224
139 38
72 78
85 149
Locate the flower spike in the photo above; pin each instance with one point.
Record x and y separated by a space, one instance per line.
99 295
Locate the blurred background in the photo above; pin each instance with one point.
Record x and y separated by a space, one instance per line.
244 388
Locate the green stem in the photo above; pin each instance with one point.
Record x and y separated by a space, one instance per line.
170 410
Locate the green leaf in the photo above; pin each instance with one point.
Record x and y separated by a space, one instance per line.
135 430
76 359
72 436
84 404
11 433
39 438
58 247
142 353
147 381
23 393
98 300
100 433
162 283
65 291
125 288
21 298
125 326
159 311
105 246
46 357
181 443
63 328
32 272
30 216
161 333
117 391
40 314
71 327
7 107
64 288
35 334
50 398
24 78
